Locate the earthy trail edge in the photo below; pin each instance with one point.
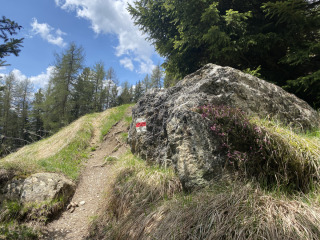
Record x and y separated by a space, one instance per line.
92 183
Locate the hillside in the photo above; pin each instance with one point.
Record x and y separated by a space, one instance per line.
125 197
76 151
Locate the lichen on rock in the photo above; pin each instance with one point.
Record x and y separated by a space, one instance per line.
176 135
39 187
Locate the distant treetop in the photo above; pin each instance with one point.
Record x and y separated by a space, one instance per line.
10 45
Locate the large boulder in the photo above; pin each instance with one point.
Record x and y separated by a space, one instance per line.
39 187
166 130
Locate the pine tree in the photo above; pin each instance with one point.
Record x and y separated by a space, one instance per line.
22 105
99 75
37 126
67 68
114 96
146 83
83 96
10 45
156 77
111 80
125 96
138 92
281 37
8 96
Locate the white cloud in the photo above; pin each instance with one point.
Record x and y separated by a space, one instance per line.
127 63
145 66
41 80
48 33
112 17
38 81
18 75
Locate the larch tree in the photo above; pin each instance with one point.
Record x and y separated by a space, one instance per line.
37 111
99 75
112 80
156 77
67 67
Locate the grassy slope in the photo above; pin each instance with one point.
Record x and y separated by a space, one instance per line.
147 202
63 153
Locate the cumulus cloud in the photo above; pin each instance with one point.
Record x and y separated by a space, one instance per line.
41 80
112 17
38 81
127 63
48 33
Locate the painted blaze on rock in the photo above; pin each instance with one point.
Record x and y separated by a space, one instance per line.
178 136
141 125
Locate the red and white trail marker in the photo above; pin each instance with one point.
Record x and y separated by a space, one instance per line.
141 125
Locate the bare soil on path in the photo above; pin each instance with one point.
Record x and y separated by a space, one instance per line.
90 190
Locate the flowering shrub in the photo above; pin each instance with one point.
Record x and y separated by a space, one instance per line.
240 139
260 152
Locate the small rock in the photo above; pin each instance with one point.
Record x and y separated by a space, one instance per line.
82 203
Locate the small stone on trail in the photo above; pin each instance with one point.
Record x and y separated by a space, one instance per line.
82 203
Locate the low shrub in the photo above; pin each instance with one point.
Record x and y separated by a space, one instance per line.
264 150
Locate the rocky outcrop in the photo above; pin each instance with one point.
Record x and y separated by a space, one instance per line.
39 187
166 130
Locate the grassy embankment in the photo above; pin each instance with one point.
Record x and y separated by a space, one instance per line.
64 152
147 202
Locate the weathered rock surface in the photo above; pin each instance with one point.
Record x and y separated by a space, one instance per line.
5 176
177 135
39 187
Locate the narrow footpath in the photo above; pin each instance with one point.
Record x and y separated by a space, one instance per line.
73 223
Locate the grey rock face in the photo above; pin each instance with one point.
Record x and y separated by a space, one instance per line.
5 176
176 135
39 187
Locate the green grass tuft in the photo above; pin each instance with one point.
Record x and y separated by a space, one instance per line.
68 160
117 114
146 202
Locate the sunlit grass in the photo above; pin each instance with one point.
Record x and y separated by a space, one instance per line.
115 116
146 202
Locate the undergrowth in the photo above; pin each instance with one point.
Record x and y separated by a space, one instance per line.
14 214
146 202
265 150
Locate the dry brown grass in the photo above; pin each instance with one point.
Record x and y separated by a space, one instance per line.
69 141
144 202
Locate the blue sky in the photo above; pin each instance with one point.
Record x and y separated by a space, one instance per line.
103 28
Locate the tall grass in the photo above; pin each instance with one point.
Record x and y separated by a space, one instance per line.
146 202
265 150
115 116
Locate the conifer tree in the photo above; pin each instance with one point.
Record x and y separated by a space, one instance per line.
146 83
22 107
125 96
37 111
99 75
10 45
67 68
83 96
156 77
114 96
138 92
111 80
279 37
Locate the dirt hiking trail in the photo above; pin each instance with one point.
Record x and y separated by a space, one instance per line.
90 189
